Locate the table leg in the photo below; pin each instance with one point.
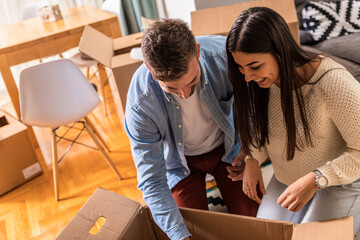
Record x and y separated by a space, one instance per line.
10 84
14 96
102 79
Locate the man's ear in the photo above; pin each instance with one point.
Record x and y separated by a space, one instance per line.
147 66
198 49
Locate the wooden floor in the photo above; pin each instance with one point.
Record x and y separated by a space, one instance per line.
31 212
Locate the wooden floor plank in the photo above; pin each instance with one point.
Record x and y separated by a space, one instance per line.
3 234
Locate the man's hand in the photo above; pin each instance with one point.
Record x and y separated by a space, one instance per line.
253 177
235 171
299 193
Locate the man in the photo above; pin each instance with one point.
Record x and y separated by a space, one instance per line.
180 121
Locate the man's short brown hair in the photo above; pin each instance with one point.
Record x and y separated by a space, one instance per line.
168 47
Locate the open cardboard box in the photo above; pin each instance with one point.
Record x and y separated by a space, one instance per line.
127 219
114 54
219 20
18 161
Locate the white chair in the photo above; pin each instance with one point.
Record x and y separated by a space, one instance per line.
54 94
32 11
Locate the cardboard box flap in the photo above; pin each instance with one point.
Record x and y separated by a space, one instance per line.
125 44
97 45
144 227
334 229
140 227
205 225
123 60
118 211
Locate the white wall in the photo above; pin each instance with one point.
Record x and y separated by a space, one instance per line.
179 9
161 9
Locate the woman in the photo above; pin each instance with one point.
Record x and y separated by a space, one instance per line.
305 117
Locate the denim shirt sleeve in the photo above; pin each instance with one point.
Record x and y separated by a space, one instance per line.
148 154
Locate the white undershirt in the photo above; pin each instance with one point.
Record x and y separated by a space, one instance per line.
200 131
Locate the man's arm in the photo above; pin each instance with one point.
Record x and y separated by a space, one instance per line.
148 154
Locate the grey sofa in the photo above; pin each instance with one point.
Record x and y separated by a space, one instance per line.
344 49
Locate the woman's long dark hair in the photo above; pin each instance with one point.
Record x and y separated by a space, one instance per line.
262 30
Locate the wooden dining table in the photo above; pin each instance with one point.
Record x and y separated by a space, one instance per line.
34 39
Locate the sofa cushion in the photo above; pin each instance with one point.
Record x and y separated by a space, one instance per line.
352 67
305 37
347 47
326 20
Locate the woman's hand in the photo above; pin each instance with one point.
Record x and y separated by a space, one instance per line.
299 193
253 177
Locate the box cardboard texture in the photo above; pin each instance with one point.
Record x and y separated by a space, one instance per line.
114 54
126 219
18 162
219 20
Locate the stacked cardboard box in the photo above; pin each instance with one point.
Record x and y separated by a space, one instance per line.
114 54
220 19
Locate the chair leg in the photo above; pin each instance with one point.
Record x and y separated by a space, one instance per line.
108 160
88 73
102 80
97 134
54 158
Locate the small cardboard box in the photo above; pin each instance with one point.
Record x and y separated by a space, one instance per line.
219 20
18 162
114 54
126 219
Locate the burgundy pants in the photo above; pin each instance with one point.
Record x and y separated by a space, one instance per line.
191 192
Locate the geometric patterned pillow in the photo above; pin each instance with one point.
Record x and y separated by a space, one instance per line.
325 20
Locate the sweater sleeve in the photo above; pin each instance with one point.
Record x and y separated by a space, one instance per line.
341 92
259 154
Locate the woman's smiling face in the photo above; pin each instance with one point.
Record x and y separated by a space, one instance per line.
262 68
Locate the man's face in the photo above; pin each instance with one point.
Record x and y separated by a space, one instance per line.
185 86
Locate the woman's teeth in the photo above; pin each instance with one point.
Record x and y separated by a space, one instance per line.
259 80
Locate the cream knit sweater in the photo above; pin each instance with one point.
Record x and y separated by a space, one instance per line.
333 110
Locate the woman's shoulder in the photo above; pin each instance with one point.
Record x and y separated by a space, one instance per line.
329 70
334 81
